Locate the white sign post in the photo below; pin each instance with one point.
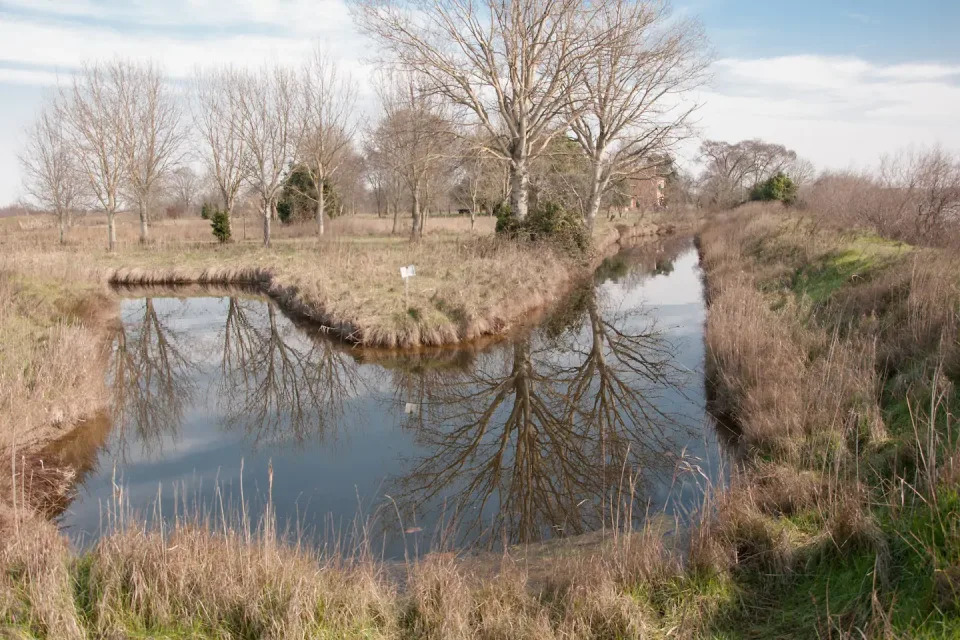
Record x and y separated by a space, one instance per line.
406 273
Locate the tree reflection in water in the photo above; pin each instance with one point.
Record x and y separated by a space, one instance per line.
153 381
546 433
276 385
564 430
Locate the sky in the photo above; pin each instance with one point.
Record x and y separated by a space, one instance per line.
839 81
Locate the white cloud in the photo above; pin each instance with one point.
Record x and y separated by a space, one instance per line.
838 111
293 17
179 55
27 77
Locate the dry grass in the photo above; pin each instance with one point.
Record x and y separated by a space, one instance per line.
211 579
468 283
822 345
90 231
835 354
224 581
52 358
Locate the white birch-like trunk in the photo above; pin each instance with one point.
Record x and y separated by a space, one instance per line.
266 223
320 208
144 227
519 186
111 230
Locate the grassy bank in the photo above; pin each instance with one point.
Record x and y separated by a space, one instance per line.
468 284
56 309
215 579
53 339
835 355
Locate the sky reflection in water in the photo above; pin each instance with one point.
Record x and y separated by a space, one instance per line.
547 434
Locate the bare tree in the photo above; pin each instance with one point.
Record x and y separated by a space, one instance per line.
153 379
506 62
480 172
93 106
267 109
185 183
919 194
629 106
414 138
218 118
733 169
327 108
384 176
152 138
50 168
913 196
276 387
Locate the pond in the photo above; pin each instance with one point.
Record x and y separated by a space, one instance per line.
224 408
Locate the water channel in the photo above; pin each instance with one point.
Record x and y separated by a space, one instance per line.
223 405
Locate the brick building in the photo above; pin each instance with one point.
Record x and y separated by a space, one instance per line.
646 193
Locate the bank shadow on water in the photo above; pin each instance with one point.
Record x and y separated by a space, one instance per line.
596 415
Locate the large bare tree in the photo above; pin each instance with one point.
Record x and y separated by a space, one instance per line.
218 119
629 106
153 136
51 173
506 62
327 108
270 128
93 107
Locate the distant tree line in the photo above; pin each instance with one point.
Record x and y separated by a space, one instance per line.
547 101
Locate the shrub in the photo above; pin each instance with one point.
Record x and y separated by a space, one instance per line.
284 211
779 187
207 210
547 221
220 223
299 197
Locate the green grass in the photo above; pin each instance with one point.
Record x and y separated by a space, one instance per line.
859 260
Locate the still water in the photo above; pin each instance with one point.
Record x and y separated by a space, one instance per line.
222 405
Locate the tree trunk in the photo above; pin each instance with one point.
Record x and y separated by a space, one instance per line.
593 201
320 203
396 213
415 230
519 185
267 212
144 227
111 230
63 224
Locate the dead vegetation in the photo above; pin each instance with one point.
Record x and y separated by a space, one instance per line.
467 284
833 352
836 355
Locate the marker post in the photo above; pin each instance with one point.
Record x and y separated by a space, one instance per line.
406 273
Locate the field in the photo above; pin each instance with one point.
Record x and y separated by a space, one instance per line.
468 283
834 354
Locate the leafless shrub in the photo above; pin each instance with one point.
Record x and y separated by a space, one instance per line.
913 196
